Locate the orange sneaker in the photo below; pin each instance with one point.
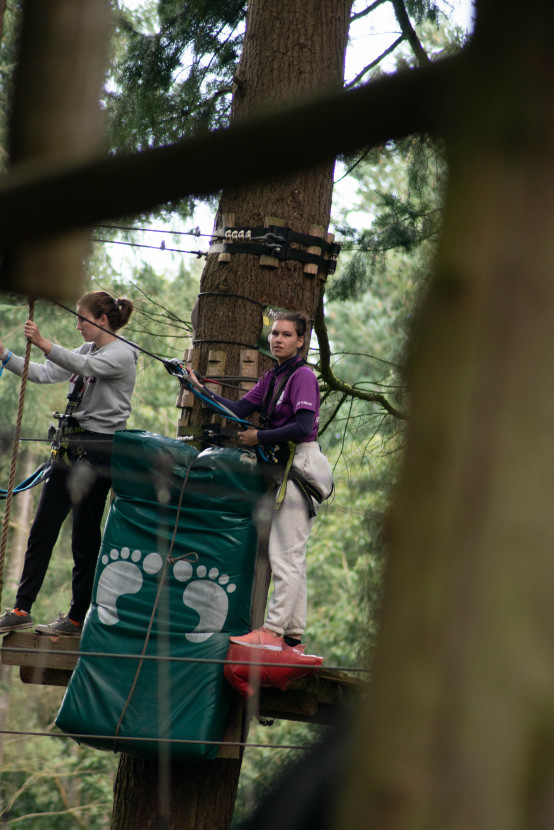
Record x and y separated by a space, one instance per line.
62 626
260 638
15 620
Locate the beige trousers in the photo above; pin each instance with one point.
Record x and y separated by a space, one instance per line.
290 528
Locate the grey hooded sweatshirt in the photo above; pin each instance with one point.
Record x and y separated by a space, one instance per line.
110 375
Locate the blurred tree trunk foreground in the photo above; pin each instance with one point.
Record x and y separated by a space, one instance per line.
458 732
292 50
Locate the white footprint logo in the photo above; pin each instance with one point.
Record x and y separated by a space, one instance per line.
208 597
122 576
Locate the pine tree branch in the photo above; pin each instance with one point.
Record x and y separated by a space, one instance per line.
333 414
333 382
409 32
374 63
367 11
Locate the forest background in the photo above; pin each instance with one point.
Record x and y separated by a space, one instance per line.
387 243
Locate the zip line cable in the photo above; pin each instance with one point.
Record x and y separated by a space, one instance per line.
181 741
199 254
175 367
173 659
197 232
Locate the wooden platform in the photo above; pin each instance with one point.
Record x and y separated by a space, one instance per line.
50 661
44 660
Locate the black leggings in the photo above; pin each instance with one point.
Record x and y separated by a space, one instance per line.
81 487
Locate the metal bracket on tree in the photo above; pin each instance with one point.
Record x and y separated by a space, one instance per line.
273 242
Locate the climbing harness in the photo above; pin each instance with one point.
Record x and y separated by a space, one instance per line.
276 461
59 438
285 453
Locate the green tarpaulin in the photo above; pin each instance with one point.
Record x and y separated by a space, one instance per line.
174 578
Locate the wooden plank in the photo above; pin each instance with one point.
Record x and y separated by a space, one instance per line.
216 367
185 398
228 220
323 274
302 704
39 651
248 368
44 677
311 269
44 660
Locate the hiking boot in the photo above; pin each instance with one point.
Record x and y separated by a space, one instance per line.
63 625
15 620
260 638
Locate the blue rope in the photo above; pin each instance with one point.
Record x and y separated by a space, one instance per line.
40 475
176 367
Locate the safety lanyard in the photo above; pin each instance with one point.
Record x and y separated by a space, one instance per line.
276 386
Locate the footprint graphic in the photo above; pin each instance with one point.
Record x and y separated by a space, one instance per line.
122 576
208 597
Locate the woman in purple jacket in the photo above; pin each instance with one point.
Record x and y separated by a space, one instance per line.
294 417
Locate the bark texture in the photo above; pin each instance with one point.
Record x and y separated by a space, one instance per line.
458 732
292 51
150 796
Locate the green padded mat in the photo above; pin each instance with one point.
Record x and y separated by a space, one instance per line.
200 506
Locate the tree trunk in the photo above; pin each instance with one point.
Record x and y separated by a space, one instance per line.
458 731
199 795
292 50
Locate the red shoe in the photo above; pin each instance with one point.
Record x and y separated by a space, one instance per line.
260 638
277 671
297 653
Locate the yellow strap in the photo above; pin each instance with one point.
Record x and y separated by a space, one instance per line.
283 488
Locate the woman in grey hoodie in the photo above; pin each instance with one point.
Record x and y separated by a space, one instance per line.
101 375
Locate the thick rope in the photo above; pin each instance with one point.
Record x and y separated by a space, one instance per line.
15 449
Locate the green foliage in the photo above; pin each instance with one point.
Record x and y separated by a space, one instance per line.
405 210
49 782
423 11
172 70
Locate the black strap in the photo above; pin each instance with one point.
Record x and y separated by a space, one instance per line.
275 235
308 490
278 251
74 397
273 393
